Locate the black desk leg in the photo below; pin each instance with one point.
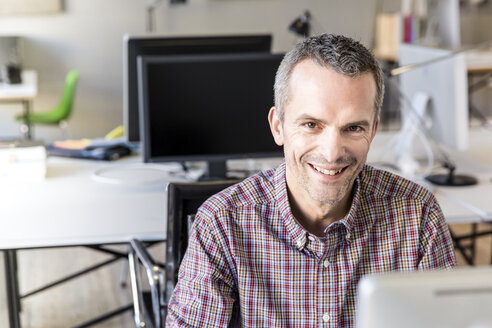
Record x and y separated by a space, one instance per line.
13 299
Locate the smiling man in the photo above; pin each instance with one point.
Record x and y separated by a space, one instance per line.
287 247
326 126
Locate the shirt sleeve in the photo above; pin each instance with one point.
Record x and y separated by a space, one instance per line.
205 293
436 245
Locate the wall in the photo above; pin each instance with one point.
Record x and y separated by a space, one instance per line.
88 36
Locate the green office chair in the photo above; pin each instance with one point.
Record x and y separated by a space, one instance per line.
58 115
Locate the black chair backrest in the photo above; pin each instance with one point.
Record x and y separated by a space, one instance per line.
184 199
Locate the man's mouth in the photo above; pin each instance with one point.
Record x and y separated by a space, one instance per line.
328 172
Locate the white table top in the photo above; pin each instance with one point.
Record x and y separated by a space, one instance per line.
459 204
80 203
26 90
73 207
476 161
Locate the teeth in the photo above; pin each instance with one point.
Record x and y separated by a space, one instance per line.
328 172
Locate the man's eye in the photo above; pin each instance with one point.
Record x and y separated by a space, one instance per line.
355 128
310 125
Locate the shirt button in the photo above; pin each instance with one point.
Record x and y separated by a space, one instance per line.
326 263
326 317
311 238
299 243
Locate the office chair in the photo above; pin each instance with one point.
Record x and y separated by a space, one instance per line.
184 199
58 115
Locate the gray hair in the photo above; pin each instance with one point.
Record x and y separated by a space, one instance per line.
341 53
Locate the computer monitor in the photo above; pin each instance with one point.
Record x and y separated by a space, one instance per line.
435 101
207 108
446 84
426 299
135 46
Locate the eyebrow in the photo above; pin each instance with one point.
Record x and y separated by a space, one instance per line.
305 117
362 123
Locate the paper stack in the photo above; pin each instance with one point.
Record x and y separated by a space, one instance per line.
22 160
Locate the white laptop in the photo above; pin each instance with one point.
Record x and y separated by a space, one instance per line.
446 298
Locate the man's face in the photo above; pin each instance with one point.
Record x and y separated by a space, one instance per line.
326 132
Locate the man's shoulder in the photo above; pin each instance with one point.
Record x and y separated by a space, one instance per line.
255 190
383 184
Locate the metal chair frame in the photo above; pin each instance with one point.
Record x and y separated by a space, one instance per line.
184 199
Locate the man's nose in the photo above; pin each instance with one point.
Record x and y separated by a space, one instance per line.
332 145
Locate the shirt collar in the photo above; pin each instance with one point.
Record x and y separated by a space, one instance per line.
296 231
350 220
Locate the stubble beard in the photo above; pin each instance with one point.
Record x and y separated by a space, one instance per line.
324 196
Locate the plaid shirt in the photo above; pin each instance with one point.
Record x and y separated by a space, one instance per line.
249 258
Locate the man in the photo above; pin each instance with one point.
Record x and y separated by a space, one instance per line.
287 247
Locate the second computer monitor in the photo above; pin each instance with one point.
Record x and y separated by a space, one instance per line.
135 46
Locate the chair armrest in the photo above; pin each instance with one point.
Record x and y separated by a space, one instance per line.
143 254
138 258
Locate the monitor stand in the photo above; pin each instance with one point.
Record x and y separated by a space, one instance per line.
215 170
404 158
451 179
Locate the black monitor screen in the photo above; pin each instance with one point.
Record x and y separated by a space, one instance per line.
135 46
207 107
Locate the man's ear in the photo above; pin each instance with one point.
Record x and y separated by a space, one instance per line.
276 126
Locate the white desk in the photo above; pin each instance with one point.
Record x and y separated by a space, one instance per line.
477 161
459 204
72 208
23 92
471 204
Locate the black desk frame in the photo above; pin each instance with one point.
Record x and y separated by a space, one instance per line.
12 284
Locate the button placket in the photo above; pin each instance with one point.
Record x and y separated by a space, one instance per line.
326 263
300 244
